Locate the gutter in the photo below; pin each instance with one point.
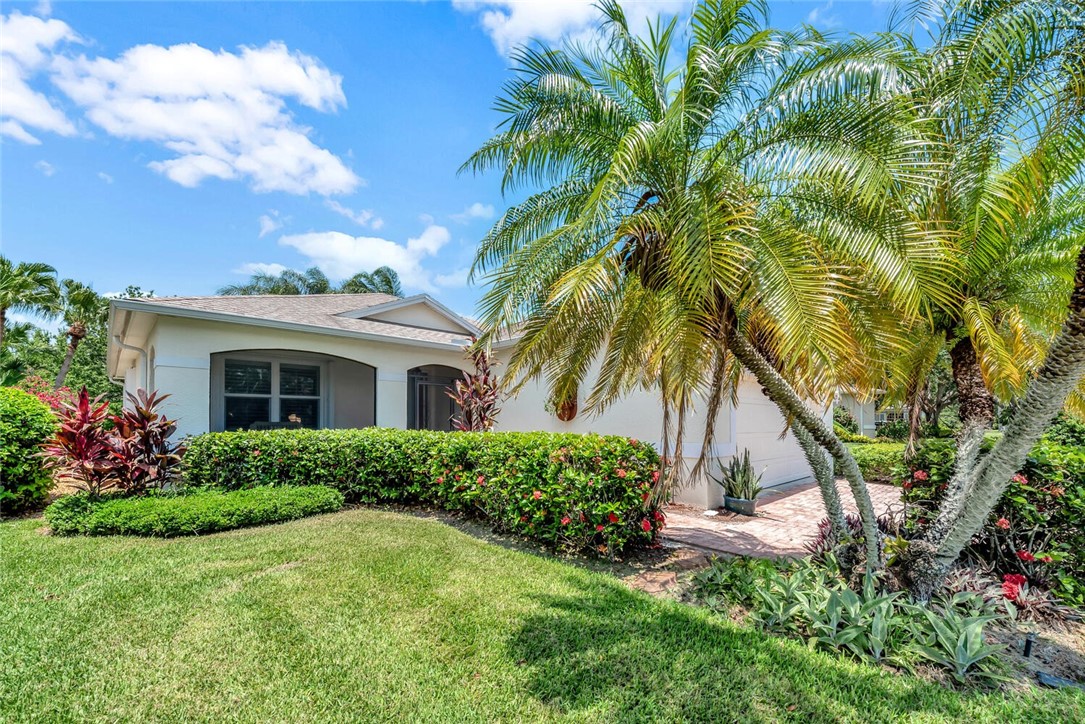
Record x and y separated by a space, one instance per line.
167 311
119 339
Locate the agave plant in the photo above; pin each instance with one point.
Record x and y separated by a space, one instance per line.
738 479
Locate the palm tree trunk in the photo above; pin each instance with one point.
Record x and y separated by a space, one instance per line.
785 397
823 473
1063 369
66 365
977 405
3 323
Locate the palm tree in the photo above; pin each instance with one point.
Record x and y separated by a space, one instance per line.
26 287
81 306
733 212
382 280
999 87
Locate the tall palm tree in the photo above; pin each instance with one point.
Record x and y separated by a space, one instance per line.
1001 85
26 287
313 281
735 210
81 307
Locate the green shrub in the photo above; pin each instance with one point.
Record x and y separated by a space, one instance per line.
1037 529
843 417
877 460
1067 430
569 491
847 436
894 430
193 512
25 423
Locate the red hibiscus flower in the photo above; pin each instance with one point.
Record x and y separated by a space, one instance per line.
440 479
1015 578
1003 524
537 494
612 518
658 515
1011 590
907 485
646 525
645 497
481 480
1026 556
622 473
566 520
1046 559
1019 479
921 475
255 453
655 476
599 527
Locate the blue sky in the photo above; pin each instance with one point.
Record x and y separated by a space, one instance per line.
174 146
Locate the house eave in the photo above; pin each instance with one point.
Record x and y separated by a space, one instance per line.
131 305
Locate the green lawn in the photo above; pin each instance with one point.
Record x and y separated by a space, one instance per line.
367 615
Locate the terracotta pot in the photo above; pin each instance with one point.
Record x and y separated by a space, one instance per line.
566 410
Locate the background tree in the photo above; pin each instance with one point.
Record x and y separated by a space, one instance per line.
81 307
383 280
26 287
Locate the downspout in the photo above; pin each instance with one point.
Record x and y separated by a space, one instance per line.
142 356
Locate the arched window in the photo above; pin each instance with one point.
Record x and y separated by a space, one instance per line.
428 405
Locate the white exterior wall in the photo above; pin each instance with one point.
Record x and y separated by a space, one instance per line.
863 412
183 349
761 424
182 368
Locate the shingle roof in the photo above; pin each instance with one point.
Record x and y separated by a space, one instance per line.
313 310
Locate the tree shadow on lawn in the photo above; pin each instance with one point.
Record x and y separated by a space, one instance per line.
619 655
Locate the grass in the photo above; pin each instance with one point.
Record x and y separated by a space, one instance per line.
379 616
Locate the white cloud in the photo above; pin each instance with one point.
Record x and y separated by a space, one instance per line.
105 177
270 222
223 114
510 23
476 210
457 278
364 217
341 255
44 8
26 43
258 267
46 168
823 18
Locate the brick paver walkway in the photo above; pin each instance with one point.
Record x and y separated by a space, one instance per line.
787 518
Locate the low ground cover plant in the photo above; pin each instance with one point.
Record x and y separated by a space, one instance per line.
573 492
811 601
25 423
195 512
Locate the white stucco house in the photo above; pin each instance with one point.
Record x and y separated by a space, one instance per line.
356 360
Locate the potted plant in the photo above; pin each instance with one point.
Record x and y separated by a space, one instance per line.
741 485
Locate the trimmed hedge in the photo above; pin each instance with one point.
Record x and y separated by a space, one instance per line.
196 512
25 423
877 460
568 491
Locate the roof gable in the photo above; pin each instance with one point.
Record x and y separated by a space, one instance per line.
421 311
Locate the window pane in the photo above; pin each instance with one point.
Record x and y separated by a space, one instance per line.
307 410
299 380
243 411
248 378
